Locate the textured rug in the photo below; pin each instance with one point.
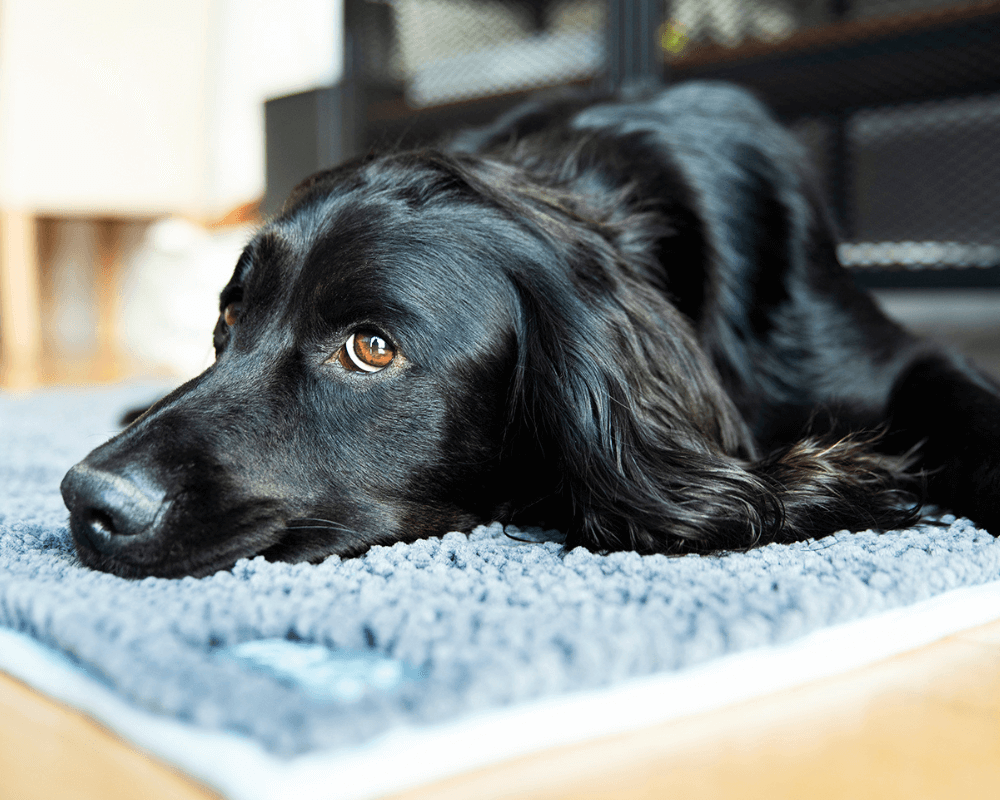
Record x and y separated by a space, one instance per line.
303 658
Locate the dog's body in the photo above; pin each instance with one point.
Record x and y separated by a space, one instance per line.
624 320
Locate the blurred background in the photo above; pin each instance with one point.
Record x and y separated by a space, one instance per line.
140 142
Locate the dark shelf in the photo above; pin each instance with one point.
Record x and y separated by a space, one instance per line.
950 278
849 65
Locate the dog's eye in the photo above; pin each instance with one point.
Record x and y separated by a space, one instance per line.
366 352
231 313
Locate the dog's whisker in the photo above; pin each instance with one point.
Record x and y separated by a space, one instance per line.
324 525
324 522
318 528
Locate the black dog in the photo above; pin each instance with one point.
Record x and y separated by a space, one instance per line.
624 320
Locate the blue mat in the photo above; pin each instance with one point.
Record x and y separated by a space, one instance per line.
310 657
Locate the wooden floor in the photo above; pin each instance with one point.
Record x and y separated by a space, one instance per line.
925 724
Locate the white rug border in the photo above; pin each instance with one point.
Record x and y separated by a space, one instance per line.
240 769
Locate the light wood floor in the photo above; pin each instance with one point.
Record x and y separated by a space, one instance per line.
925 724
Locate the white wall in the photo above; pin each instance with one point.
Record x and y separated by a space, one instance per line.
148 107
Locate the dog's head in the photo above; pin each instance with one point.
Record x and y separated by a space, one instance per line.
420 342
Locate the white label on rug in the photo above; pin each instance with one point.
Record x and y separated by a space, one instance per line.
344 675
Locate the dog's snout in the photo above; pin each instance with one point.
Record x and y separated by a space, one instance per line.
112 511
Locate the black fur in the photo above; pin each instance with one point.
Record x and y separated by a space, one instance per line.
624 320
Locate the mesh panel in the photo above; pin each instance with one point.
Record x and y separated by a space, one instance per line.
731 22
927 172
448 50
815 135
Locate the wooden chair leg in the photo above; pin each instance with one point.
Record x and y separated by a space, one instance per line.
110 232
20 317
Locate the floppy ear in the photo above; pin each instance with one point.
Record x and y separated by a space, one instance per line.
643 439
650 453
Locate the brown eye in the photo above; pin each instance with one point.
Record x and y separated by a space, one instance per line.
231 313
368 352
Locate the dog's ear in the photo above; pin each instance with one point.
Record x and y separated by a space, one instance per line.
649 452
646 447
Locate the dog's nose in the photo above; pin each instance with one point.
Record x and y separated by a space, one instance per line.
112 511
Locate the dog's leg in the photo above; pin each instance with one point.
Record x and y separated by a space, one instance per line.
953 412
